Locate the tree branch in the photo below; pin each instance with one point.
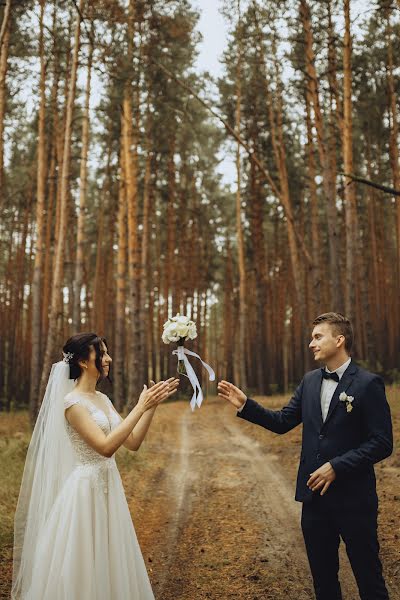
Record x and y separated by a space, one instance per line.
4 24
253 157
378 186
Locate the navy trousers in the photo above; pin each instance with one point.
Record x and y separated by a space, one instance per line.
323 524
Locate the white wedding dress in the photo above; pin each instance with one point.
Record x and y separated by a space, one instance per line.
88 549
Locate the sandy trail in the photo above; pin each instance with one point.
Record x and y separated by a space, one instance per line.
282 515
225 521
211 498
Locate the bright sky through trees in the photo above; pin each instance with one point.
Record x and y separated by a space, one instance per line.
214 31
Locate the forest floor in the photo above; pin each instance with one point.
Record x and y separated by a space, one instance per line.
212 501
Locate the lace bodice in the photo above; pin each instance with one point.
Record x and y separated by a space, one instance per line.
85 454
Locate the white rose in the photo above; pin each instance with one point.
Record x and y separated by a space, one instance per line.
192 332
343 396
172 338
179 326
182 319
181 329
179 318
170 333
165 336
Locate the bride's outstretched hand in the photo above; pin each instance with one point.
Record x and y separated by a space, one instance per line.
233 394
156 393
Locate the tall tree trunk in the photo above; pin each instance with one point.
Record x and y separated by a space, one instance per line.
241 339
4 43
261 285
48 258
315 299
274 106
20 274
349 194
119 345
55 307
393 148
5 22
36 290
170 259
228 318
328 182
97 322
144 298
130 162
280 152
80 238
169 287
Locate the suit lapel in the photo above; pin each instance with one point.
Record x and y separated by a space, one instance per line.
316 395
342 386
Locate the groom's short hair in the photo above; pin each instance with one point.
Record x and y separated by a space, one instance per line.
341 325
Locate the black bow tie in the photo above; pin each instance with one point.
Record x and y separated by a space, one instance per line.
332 375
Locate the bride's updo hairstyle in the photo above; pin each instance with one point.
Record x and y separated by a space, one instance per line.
78 348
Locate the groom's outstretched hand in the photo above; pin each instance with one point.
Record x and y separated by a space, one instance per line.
322 478
230 392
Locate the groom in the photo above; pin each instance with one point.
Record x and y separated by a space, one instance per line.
346 430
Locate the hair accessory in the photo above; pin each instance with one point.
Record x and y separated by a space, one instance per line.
68 356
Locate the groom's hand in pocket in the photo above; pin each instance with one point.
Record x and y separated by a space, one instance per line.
233 394
322 478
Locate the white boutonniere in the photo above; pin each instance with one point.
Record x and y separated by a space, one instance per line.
348 401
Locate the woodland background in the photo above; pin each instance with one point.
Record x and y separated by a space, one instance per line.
114 215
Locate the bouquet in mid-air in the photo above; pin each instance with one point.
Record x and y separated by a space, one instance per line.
177 329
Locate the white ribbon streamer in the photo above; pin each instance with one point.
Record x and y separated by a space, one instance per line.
197 397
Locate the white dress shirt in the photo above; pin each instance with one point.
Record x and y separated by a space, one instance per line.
329 386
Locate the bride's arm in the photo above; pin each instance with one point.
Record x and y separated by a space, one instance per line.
107 445
135 439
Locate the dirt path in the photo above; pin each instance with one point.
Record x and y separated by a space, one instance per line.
223 518
282 515
212 502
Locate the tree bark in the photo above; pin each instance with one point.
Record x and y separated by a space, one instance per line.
80 237
130 162
228 318
316 281
241 340
36 290
328 181
55 308
4 43
393 144
144 298
280 152
349 194
5 22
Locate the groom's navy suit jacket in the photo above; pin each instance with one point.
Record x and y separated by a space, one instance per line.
351 441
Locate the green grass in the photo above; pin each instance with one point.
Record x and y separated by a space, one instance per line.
14 441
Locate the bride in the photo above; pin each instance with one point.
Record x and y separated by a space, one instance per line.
73 535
